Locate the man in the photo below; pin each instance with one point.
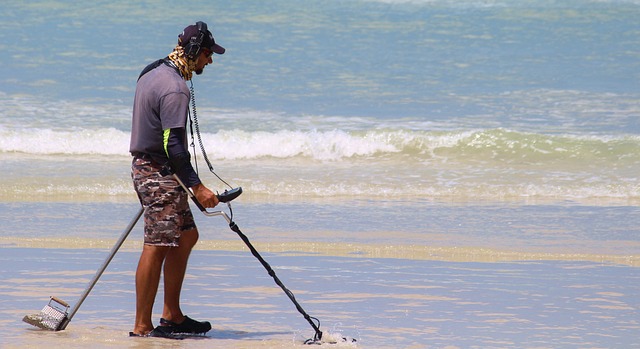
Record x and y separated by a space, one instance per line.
158 139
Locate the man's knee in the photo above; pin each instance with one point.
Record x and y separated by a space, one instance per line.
153 253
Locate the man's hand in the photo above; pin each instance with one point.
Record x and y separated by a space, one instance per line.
205 196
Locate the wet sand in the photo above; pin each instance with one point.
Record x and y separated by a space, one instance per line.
381 302
391 275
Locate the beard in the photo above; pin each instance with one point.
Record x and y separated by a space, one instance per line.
199 71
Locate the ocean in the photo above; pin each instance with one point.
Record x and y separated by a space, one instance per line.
392 142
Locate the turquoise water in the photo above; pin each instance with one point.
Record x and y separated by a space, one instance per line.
454 100
382 58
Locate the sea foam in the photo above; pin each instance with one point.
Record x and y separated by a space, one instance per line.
463 146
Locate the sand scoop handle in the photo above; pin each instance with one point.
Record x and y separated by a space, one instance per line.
98 274
55 316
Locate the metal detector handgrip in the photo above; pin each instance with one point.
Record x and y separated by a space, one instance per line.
225 197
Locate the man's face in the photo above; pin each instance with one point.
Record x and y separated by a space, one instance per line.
204 58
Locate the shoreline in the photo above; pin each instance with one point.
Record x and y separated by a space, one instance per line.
351 250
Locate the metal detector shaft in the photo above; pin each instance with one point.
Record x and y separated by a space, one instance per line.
234 227
93 281
316 328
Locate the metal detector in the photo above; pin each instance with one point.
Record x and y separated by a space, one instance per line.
226 197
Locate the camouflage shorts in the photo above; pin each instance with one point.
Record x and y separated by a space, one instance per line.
166 207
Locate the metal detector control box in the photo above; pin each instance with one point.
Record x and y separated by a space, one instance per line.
229 195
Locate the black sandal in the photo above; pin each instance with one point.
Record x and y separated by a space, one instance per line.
189 325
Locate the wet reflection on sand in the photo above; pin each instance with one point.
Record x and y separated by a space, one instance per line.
382 302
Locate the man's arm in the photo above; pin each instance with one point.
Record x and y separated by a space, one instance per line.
180 161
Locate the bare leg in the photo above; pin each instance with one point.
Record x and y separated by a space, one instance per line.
175 268
147 280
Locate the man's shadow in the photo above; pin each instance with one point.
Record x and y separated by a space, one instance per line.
231 334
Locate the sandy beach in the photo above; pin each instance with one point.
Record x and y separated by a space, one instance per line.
433 295
381 302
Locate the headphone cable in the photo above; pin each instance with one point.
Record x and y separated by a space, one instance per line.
194 122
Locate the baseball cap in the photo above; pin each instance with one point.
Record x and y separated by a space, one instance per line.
191 34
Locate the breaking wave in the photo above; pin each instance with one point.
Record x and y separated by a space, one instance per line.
499 145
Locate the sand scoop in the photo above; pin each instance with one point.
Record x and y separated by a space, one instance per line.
57 314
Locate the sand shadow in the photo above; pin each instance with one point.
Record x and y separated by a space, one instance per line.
232 334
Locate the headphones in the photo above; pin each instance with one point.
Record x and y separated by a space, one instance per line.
193 48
